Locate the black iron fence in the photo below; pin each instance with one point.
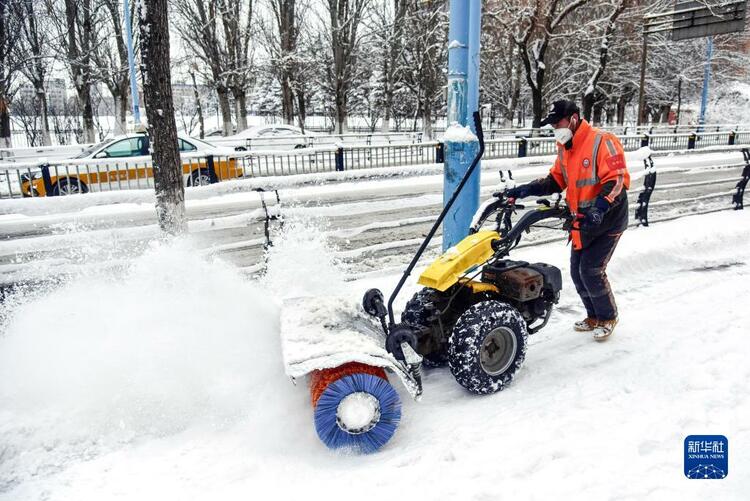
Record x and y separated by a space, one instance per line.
70 177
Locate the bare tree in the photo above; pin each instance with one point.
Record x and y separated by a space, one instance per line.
218 33
76 28
424 58
534 23
609 32
388 30
502 71
200 31
343 37
33 52
111 61
157 92
237 20
9 66
281 37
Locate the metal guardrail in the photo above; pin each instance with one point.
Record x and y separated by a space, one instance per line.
70 177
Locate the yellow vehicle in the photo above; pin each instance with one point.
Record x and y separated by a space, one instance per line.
124 163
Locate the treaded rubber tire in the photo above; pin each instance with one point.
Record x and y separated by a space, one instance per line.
465 343
197 176
416 313
62 183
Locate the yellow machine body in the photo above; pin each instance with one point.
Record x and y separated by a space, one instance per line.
448 269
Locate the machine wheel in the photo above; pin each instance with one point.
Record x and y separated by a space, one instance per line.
418 313
199 177
487 347
69 186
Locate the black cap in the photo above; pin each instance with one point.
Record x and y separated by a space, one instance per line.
559 110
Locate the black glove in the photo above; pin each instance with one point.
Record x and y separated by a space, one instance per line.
522 191
594 215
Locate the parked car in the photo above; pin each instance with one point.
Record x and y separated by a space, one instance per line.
125 159
269 137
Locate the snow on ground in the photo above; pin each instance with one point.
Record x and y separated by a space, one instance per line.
164 381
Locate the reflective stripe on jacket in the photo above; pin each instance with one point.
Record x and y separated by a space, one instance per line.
596 158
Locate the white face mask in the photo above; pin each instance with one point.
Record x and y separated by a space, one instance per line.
563 135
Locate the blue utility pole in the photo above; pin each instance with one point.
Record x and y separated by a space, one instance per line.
463 100
706 81
131 63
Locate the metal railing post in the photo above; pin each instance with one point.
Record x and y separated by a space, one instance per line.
46 179
739 195
339 158
691 141
522 147
211 169
732 135
439 153
645 140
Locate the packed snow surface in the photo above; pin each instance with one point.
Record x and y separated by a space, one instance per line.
164 380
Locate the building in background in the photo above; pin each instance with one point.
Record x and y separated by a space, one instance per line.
56 95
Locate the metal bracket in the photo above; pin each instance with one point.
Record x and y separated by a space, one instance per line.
269 217
649 183
739 195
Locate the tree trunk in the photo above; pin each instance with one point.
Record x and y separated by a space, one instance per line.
387 95
121 108
87 114
157 93
427 119
679 100
287 99
301 110
536 107
41 98
198 106
6 138
621 110
240 108
226 112
597 115
341 112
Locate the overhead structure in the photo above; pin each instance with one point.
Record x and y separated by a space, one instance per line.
692 19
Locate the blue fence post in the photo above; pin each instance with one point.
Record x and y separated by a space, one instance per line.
439 153
691 141
645 140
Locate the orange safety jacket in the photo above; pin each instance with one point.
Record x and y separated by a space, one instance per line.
596 158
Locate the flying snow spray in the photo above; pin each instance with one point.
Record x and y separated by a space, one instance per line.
356 407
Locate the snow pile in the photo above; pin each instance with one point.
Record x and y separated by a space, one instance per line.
459 134
173 343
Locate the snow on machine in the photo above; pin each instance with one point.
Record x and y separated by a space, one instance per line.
474 314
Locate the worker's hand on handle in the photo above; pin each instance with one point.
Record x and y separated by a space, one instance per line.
518 192
593 216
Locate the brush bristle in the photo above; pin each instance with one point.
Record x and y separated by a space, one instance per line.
334 436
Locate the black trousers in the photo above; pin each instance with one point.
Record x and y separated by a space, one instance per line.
588 268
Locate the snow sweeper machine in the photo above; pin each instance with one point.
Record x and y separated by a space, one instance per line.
473 314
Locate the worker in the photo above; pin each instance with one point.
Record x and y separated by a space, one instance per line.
590 167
